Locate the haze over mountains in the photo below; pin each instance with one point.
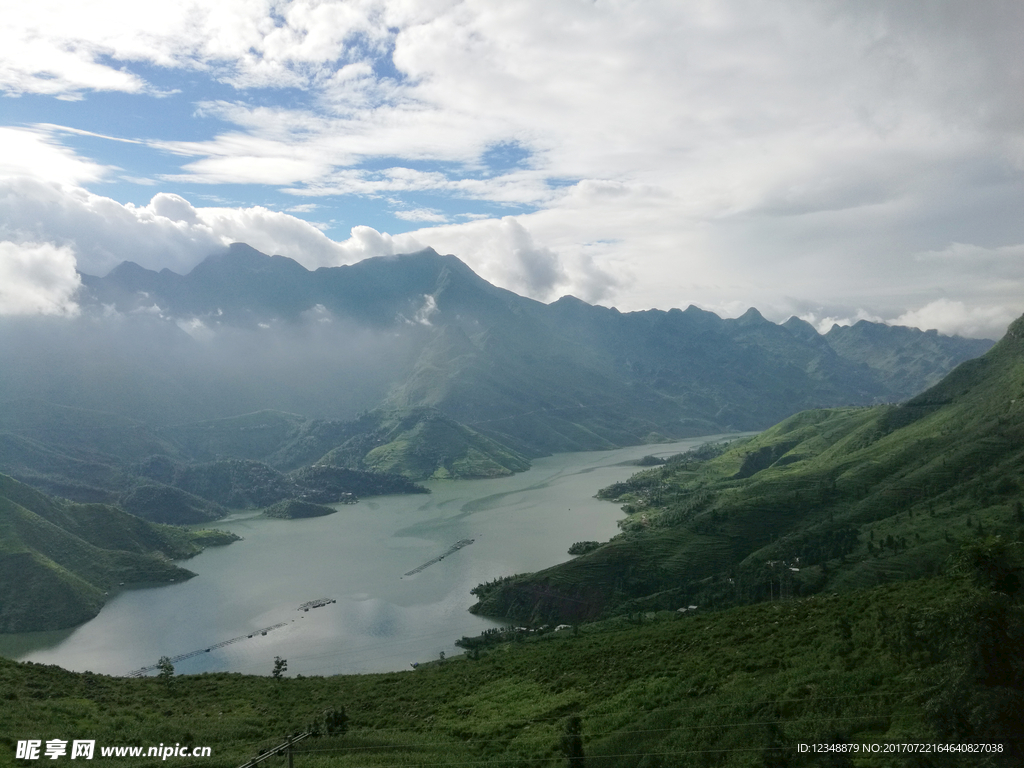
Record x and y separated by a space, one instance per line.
407 365
244 331
829 499
816 518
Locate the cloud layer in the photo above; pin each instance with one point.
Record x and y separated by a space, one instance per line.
824 159
37 278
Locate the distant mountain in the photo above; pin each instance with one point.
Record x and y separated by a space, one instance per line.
903 358
59 559
185 474
422 443
825 500
406 364
539 378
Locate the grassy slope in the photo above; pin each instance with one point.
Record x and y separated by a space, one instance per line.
81 432
911 661
57 559
422 443
249 436
736 688
292 509
185 474
859 495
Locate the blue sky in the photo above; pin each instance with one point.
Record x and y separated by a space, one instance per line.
125 132
835 161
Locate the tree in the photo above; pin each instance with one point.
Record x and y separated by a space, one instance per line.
166 670
335 721
983 694
280 667
572 741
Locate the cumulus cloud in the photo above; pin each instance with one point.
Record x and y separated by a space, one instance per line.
275 233
956 318
26 153
102 231
168 232
174 208
171 232
62 49
37 279
502 251
793 155
421 214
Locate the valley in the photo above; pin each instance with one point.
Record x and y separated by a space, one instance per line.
383 620
841 563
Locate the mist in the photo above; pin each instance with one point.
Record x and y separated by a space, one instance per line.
162 370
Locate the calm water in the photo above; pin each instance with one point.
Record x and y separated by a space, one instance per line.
381 621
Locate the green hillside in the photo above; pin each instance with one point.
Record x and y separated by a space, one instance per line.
292 509
856 575
423 443
903 664
825 500
58 559
164 504
904 358
423 330
81 432
249 436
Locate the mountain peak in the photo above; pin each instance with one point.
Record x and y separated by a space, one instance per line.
801 329
127 278
240 257
750 317
127 269
568 301
1016 329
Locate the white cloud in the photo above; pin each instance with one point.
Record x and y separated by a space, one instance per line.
102 231
956 318
173 207
274 233
168 232
37 279
35 154
501 251
60 48
421 214
824 324
796 156
428 310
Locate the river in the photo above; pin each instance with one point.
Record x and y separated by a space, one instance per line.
381 620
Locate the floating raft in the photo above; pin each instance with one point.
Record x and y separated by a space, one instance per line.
318 603
190 654
454 548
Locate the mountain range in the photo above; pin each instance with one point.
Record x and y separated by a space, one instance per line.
851 577
424 330
826 500
879 548
252 380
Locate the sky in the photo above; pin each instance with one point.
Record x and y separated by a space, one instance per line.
831 160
